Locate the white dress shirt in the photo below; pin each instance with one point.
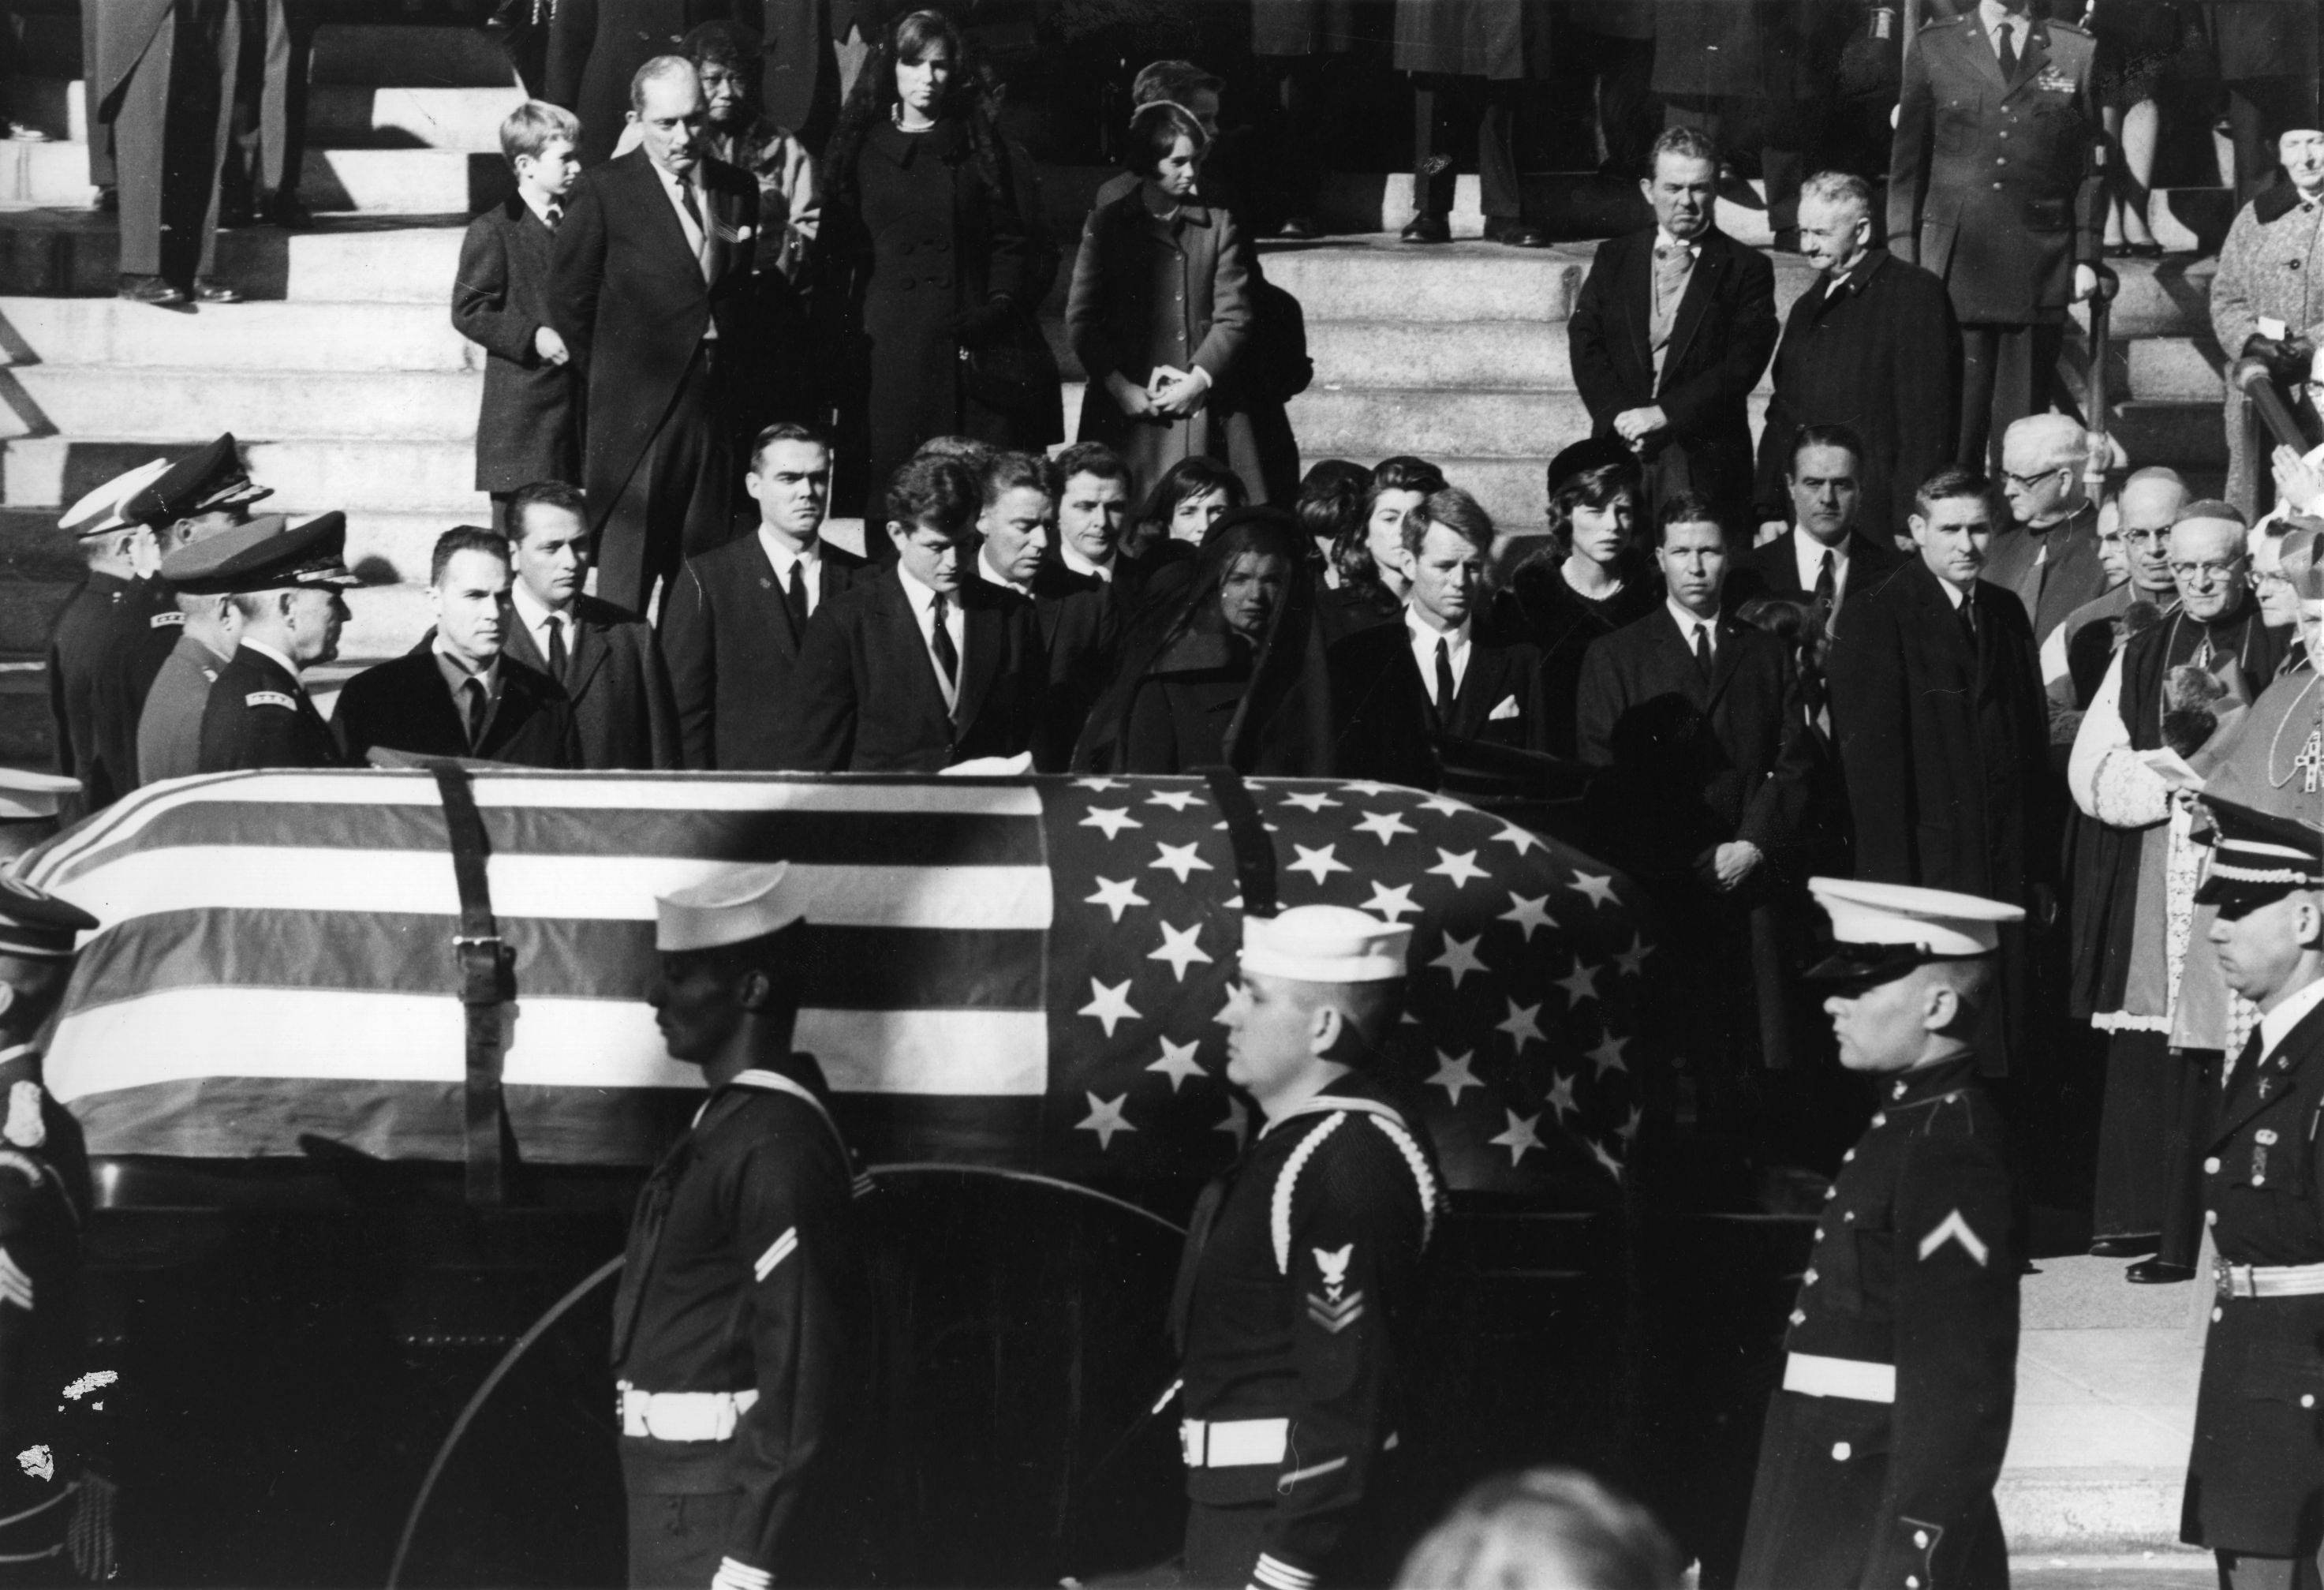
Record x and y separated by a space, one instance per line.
1995 21
264 650
1953 593
697 238
780 555
533 614
1072 558
1809 553
1423 636
540 204
1688 623
993 576
922 600
2276 1025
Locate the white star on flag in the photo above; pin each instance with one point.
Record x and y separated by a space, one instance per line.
1178 1063
1453 1073
1580 984
1527 913
1519 1137
1099 784
1237 1124
1459 957
1460 868
1105 1119
1180 859
1310 801
1561 1096
1111 819
1391 903
1374 787
1633 960
1179 948
1598 888
1318 862
1444 805
1387 825
1117 898
1629 1130
1613 1166
1108 1006
1222 825
1513 836
1607 1056
1520 1025
1175 799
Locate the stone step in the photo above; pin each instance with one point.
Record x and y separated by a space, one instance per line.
386 182
398 405
393 475
2168 297
399 55
2177 369
409 259
1445 424
338 115
346 338
2177 433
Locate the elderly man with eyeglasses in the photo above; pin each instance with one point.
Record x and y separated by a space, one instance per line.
2078 652
2163 709
2049 555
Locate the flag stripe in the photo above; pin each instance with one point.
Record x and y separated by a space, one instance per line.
846 968
189 1033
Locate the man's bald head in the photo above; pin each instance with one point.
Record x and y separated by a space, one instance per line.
2149 504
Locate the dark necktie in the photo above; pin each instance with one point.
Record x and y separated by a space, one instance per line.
1702 651
940 643
475 705
1443 677
1827 585
2007 50
1969 618
796 595
554 213
557 654
708 256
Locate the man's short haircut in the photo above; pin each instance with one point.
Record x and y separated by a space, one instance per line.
965 449
1154 132
654 71
933 491
544 494
2059 438
464 538
1844 187
1824 436
1954 481
2211 508
1691 143
1687 508
533 126
1457 512
1543 1529
785 430
1010 472
1371 1011
1970 977
1177 80
1093 458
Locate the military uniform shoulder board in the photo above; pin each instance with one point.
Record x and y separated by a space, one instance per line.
164 620
270 698
1287 1182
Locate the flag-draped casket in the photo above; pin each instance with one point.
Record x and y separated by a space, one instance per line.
1027 973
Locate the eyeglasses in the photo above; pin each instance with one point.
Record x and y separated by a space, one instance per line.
2026 483
2205 573
2145 538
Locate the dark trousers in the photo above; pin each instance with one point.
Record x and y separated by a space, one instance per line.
676 1541
1296 167
2007 372
679 499
1223 1544
1628 115
101 172
2135 1124
1440 107
270 138
2240 1570
169 136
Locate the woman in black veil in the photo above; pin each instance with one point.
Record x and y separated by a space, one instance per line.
1230 663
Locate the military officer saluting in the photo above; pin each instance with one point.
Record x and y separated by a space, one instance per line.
739 1327
105 617
286 586
2256 1477
1297 1299
1877 1464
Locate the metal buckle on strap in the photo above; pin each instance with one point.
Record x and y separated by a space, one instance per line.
1233 1442
2266 1281
684 1415
1812 1374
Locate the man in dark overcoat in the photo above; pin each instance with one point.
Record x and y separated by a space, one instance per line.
1823 554
596 47
162 82
1994 185
1870 345
1474 59
1671 330
651 291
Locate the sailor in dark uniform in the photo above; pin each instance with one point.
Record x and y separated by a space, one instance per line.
106 616
1297 1299
55 1507
286 586
2256 1477
740 1326
1877 1464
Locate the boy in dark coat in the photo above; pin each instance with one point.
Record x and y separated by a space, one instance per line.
530 426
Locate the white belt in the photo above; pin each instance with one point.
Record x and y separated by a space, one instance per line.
2267 1280
683 1416
1233 1442
1813 1376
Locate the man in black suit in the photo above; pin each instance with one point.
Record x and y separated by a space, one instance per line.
1823 556
651 288
1872 345
1075 612
610 669
1481 687
455 694
1937 705
1671 331
738 615
918 666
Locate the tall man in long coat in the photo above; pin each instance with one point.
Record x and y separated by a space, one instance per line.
652 290
1671 330
1993 184
162 82
1474 58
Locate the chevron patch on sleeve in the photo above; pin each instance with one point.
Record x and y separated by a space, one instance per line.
1952 1228
1336 1314
781 1249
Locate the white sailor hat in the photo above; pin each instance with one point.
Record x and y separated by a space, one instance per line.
103 510
1881 931
732 908
1325 944
26 795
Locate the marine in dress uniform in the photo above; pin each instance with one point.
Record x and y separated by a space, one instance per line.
2255 1476
258 714
739 1327
1880 1452
108 616
1296 1299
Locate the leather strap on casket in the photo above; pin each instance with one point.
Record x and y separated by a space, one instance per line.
484 986
1254 852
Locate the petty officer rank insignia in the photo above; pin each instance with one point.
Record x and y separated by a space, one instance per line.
270 698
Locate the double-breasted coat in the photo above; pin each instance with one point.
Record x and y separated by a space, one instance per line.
529 428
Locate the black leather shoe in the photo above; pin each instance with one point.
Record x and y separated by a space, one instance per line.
288 211
1426 229
1515 232
2124 1247
210 290
1298 230
151 290
2149 1272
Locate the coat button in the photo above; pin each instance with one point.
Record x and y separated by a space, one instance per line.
1996 187
2216 1313
2308 1401
1921 1539
1841 1452
1809 1277
2211 1165
1911 1582
1848 1157
2210 1217
1880 1120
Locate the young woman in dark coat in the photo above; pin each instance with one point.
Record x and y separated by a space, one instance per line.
1589 580
929 271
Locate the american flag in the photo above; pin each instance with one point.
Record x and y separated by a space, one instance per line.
1022 971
